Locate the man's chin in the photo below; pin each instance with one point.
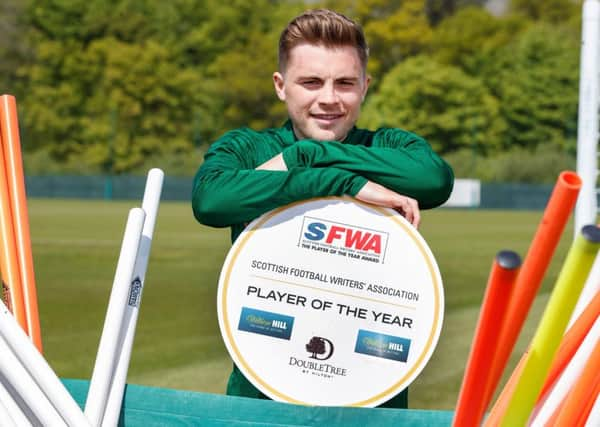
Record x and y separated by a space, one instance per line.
326 135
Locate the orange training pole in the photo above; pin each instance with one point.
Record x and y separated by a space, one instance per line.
571 342
9 264
16 184
469 409
555 217
499 408
580 400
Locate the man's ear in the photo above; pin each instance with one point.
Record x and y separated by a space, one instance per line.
279 85
366 88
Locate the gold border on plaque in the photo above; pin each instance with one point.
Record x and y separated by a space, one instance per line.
432 271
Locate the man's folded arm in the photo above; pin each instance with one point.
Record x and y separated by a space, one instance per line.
398 160
225 194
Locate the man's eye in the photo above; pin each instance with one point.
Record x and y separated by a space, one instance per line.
310 82
346 83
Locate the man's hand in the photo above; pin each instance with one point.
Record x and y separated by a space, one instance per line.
274 164
379 195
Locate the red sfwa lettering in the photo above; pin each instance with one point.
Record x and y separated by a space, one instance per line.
356 239
374 244
362 241
334 233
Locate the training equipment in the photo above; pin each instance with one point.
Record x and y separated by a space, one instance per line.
594 417
587 117
25 387
9 263
550 404
20 350
579 402
150 206
106 357
552 325
572 340
499 408
590 290
469 409
11 413
555 217
15 180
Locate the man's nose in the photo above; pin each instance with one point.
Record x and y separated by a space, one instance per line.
328 94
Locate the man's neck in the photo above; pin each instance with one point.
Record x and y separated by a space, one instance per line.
291 126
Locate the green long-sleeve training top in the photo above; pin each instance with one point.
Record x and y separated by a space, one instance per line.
229 192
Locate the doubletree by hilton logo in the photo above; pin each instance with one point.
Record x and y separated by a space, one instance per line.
321 348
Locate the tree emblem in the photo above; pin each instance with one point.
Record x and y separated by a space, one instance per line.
318 346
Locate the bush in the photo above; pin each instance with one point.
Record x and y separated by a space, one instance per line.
539 166
439 102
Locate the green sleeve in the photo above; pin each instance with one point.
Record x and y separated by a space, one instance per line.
396 159
228 190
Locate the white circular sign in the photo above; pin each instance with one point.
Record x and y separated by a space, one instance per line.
330 302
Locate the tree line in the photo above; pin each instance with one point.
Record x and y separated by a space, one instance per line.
117 86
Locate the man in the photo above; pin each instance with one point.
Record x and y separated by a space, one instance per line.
318 151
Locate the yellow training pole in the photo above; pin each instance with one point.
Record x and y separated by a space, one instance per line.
552 325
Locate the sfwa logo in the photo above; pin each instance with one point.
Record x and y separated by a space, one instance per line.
343 239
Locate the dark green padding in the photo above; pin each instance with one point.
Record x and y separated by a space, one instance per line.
153 406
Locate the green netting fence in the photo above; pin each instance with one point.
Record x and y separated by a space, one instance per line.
493 196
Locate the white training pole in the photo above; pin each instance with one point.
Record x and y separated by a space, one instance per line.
19 413
8 408
594 417
7 420
558 393
587 123
106 358
150 203
26 388
38 368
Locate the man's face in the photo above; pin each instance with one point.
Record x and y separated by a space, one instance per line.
323 89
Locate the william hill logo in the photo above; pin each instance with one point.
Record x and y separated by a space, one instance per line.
261 322
343 239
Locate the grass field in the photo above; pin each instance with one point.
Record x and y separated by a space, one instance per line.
178 345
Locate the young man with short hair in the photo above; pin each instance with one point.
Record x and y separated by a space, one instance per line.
318 151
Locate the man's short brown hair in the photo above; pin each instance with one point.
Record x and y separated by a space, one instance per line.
322 27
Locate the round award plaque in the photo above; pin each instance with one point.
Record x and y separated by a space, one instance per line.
330 302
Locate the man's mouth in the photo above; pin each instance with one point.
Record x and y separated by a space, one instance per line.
327 117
